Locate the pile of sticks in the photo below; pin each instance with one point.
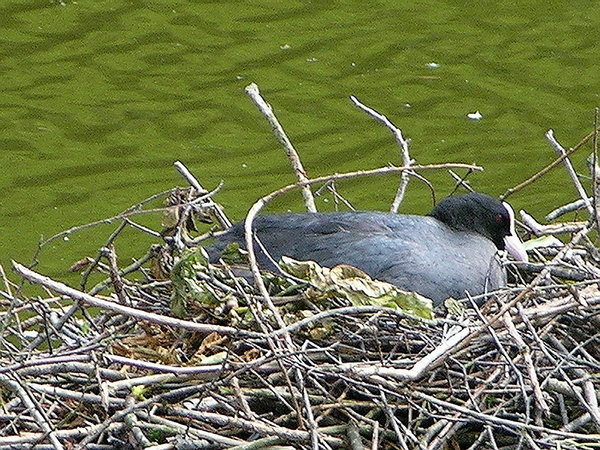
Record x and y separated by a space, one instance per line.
263 365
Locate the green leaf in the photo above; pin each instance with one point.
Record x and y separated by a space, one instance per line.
358 288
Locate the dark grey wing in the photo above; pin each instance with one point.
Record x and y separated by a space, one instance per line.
415 253
301 236
466 264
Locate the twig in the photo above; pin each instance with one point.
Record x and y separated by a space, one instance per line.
548 168
402 143
31 440
574 178
539 230
254 426
32 408
267 111
524 350
423 365
192 431
595 171
206 372
129 212
116 279
220 214
74 395
569 207
511 424
125 310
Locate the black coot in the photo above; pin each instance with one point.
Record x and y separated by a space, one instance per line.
448 253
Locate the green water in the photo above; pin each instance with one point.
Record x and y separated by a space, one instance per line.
99 98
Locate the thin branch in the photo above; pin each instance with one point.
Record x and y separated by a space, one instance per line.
402 143
292 154
125 310
574 178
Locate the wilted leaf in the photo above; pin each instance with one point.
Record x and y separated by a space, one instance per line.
454 306
543 241
234 254
358 288
306 270
186 285
210 342
217 358
170 217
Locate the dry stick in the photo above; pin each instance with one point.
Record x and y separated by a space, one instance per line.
450 428
185 212
524 350
253 92
275 345
185 429
32 408
102 387
591 400
129 212
132 211
74 294
595 174
68 394
203 372
401 435
350 311
64 318
120 415
403 143
586 396
253 426
486 418
564 209
512 363
337 197
91 267
420 368
136 265
549 167
267 111
375 436
117 280
579 395
33 439
559 228
268 443
7 284
562 152
270 337
183 170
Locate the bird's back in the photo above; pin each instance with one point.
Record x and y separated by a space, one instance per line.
416 253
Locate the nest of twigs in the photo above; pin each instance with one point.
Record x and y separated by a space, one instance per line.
236 366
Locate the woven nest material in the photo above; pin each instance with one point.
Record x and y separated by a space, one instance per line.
297 370
171 352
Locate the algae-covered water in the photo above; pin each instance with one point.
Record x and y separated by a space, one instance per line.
99 98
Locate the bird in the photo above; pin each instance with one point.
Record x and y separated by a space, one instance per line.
452 252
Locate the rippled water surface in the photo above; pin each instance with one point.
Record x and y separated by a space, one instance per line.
99 98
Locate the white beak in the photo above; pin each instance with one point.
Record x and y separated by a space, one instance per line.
513 244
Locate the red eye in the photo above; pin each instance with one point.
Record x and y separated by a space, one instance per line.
499 218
